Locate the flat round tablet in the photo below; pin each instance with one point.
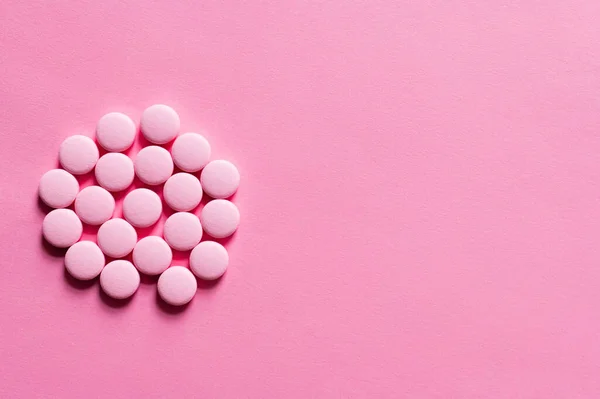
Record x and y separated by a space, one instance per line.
114 171
116 238
115 132
220 218
84 260
62 228
182 231
177 286
153 165
220 179
142 207
78 154
119 279
159 124
182 192
94 205
152 255
191 152
58 188
209 260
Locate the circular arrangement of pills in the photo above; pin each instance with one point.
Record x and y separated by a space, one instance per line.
182 192
114 171
220 179
177 285
84 260
78 154
115 132
153 165
142 207
94 205
58 188
119 279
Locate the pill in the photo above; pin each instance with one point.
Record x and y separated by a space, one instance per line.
159 124
220 179
58 188
182 231
115 132
182 192
177 286
153 165
78 154
62 228
152 255
119 279
209 260
94 205
142 207
116 238
84 260
114 171
220 218
191 152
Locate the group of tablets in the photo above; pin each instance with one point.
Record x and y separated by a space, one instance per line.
142 207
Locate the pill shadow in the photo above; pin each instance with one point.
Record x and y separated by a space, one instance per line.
78 284
208 284
112 302
52 250
42 207
170 309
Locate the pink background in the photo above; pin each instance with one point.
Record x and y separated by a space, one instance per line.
420 198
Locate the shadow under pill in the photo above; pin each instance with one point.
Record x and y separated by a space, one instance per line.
78 284
52 250
170 309
112 302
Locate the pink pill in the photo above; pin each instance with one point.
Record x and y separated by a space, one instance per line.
182 231
191 152
220 179
153 165
115 132
62 228
78 154
119 279
84 260
177 286
114 171
58 188
94 205
142 207
209 260
220 218
152 255
116 238
159 124
182 192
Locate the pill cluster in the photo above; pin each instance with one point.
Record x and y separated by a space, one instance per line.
142 207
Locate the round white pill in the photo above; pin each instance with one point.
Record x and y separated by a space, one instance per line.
209 260
62 228
116 238
152 255
153 165
191 152
220 218
114 171
78 154
220 179
182 192
58 188
94 205
115 132
142 207
159 124
182 231
119 279
177 286
84 260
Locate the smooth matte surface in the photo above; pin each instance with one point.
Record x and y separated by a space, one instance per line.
152 255
115 132
420 198
58 188
153 165
182 192
116 238
142 207
159 123
119 279
114 171
177 286
84 260
220 178
94 205
191 152
78 154
220 218
61 228
182 231
209 260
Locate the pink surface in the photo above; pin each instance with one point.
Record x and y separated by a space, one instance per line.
420 213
